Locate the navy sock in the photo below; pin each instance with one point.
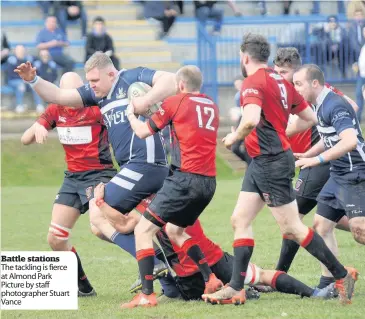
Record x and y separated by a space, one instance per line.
126 242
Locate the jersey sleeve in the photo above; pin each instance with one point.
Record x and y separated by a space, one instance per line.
139 74
251 92
340 118
334 90
299 104
162 117
87 95
49 117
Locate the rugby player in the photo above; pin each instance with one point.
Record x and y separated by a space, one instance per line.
341 144
267 100
84 139
312 179
191 185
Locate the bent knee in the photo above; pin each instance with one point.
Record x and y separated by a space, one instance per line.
58 237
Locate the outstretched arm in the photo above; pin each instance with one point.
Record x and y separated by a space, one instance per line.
47 90
29 135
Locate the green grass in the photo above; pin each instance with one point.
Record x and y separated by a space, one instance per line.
29 186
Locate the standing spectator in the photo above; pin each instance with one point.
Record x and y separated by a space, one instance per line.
5 48
356 36
99 40
164 11
287 5
70 10
205 10
46 67
336 43
47 7
54 40
16 83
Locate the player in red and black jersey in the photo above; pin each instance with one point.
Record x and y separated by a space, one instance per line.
268 100
84 138
312 179
193 118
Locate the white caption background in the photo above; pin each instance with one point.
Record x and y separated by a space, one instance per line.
38 280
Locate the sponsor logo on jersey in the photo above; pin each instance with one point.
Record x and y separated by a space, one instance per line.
121 94
247 91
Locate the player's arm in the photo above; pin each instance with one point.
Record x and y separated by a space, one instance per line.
251 116
315 150
28 136
47 90
305 120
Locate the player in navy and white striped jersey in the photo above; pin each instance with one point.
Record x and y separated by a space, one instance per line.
342 144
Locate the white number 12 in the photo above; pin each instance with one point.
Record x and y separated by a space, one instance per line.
207 110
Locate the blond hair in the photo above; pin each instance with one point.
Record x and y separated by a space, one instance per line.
98 60
192 76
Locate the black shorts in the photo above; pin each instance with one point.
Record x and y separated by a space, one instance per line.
181 200
192 287
271 176
78 188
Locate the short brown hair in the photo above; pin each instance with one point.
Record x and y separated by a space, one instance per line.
313 73
288 56
192 76
256 46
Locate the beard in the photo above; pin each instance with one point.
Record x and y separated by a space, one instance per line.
244 71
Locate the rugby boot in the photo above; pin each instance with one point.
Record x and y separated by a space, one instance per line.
346 286
225 296
141 300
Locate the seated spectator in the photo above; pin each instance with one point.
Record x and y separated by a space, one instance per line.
54 40
16 83
47 7
164 11
205 10
5 48
336 43
356 36
46 67
99 40
70 11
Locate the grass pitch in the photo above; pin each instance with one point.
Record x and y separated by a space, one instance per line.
31 177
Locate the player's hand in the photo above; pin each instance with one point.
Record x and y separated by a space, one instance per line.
99 191
307 162
41 133
230 139
130 108
299 155
26 71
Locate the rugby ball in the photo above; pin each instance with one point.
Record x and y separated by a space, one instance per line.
138 89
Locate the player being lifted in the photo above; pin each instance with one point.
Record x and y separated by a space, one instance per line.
143 162
191 185
84 139
310 180
267 100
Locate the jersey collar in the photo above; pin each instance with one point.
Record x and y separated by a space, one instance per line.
322 96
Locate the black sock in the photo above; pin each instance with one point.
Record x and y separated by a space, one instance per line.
288 251
316 246
194 252
325 281
146 262
83 282
284 283
243 249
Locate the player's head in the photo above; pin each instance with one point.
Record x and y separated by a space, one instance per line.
189 79
309 82
287 61
255 51
99 25
70 80
51 23
100 73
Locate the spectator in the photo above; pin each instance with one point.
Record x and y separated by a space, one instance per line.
5 48
356 36
205 10
47 7
99 40
340 7
16 83
336 43
46 67
164 11
287 5
70 10
360 81
354 5
54 40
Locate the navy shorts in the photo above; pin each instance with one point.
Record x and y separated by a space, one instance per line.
133 183
78 187
181 200
344 197
271 176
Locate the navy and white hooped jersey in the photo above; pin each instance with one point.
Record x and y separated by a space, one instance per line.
335 115
126 145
